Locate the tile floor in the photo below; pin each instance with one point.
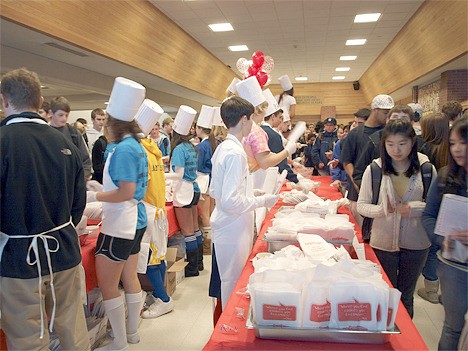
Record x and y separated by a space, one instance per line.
190 325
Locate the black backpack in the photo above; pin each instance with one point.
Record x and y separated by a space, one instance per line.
376 174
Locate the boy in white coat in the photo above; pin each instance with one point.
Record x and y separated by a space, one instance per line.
232 218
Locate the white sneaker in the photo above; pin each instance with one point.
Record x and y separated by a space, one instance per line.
158 308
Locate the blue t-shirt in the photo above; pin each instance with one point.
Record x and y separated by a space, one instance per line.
130 164
185 156
205 152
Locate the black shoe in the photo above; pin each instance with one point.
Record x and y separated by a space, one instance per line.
191 270
200 258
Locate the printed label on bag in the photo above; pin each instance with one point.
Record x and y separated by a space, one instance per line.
279 313
320 313
390 314
354 311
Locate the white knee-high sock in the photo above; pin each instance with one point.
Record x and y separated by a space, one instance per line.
133 309
115 310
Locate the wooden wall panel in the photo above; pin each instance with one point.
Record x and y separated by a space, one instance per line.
434 36
342 95
133 32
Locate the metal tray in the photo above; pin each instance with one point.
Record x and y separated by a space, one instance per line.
320 335
276 245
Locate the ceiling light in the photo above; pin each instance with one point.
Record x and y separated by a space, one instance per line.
338 77
367 17
238 48
106 103
342 69
348 58
301 78
355 42
221 27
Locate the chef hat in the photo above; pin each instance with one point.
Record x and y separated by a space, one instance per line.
250 90
205 118
286 117
217 120
125 99
272 104
148 115
232 86
184 119
285 82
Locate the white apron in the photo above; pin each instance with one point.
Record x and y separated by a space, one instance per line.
119 219
233 243
156 233
33 248
203 181
182 192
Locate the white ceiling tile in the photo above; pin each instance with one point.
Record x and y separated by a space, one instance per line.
201 5
399 6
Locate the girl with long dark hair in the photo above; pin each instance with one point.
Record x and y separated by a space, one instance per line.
453 273
398 237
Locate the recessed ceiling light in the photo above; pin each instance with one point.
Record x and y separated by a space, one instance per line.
348 58
338 77
238 48
221 27
367 17
342 69
355 42
106 103
301 78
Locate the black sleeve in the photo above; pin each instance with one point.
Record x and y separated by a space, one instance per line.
363 161
349 148
98 155
79 195
316 151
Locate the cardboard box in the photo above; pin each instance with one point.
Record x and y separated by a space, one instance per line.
175 270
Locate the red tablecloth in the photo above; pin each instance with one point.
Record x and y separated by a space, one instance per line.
245 339
87 250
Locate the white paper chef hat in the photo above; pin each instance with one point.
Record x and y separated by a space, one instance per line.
217 120
272 104
285 82
232 86
125 99
147 115
184 119
205 118
286 116
250 90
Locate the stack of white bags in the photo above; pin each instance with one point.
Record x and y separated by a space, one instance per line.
320 287
335 228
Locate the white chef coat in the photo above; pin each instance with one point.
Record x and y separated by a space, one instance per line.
232 218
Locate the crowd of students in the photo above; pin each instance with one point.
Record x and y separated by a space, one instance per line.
393 163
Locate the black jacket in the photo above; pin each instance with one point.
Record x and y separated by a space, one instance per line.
42 186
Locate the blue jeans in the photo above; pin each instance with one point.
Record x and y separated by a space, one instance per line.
453 285
403 269
430 269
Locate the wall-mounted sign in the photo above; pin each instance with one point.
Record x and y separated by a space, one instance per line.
309 99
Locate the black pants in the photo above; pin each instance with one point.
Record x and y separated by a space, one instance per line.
403 269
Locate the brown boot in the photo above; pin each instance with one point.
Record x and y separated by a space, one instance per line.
429 292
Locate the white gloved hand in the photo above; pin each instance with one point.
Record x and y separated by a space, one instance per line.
268 200
91 196
290 148
305 187
94 185
258 192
